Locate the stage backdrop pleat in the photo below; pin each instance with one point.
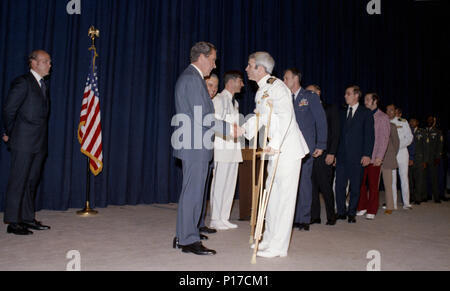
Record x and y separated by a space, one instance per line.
144 46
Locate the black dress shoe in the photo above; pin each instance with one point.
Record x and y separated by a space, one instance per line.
331 222
36 225
351 219
316 220
437 201
18 229
203 237
175 244
416 202
206 229
198 249
341 217
304 226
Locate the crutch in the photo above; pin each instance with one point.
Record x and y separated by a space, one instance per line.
264 201
263 194
255 188
258 189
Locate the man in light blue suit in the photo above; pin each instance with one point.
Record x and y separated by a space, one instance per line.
312 120
193 143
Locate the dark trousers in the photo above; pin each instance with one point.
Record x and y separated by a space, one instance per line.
431 172
348 172
417 183
190 204
368 200
23 181
322 181
205 195
304 195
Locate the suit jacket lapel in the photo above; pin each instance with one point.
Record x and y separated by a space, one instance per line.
35 85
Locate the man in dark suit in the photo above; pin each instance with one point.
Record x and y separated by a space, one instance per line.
25 119
195 111
312 122
322 174
354 153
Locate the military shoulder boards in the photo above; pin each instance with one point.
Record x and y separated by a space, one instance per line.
271 80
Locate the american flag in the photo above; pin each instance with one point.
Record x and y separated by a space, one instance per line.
90 129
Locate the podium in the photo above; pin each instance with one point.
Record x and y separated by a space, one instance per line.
245 183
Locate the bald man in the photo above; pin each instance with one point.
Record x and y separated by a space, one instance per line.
25 119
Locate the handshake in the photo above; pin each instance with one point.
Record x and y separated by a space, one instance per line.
237 131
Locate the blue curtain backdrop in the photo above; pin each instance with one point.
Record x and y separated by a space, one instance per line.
144 45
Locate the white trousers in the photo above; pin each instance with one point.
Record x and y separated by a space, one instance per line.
402 160
282 202
222 190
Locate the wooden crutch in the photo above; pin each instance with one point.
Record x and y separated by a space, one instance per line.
255 188
264 201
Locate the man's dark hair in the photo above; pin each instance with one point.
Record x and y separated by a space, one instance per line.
232 75
316 87
356 90
200 48
295 72
376 98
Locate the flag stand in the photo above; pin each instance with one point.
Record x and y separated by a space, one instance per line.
87 211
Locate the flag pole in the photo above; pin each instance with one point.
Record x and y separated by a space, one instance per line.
88 211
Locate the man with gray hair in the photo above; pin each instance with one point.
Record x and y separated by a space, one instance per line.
193 102
286 143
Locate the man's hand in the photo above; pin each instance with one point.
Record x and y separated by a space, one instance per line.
5 138
411 163
437 161
237 131
424 165
270 151
378 162
365 161
329 160
317 153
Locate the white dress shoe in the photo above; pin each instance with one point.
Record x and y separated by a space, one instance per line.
269 253
407 207
229 224
261 246
370 216
361 212
218 225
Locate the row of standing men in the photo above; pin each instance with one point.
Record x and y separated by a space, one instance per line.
414 153
306 139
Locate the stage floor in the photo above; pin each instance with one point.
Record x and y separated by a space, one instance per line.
140 238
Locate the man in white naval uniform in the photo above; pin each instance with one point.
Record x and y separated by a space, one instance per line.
406 137
285 139
227 154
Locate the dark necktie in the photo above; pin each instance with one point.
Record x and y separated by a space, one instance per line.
43 88
293 97
233 99
350 115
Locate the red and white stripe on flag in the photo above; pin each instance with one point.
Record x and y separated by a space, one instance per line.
89 128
